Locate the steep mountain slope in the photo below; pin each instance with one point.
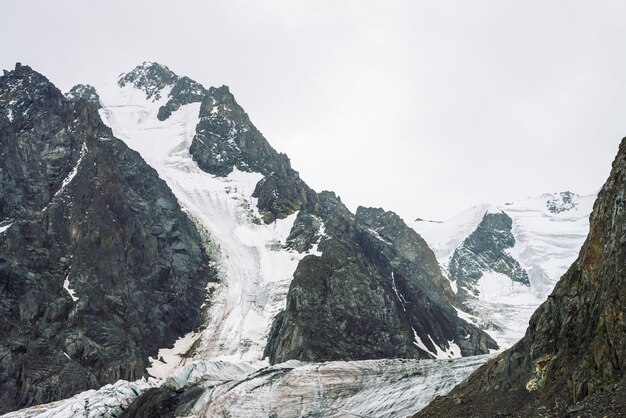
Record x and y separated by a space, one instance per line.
99 268
504 260
255 266
265 220
575 345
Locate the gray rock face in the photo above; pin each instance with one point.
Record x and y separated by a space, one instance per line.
149 77
564 203
306 232
282 193
485 250
575 345
99 267
376 286
225 139
85 92
184 91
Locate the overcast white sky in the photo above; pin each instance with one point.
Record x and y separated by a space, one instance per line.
422 107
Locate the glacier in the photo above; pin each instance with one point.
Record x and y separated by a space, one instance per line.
368 388
255 282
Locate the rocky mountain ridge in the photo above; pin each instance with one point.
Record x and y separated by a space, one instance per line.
99 267
224 141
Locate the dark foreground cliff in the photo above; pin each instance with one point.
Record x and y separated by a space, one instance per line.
99 267
572 360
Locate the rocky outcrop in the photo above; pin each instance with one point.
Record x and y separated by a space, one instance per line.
149 77
84 92
376 291
485 250
184 91
226 139
563 202
99 267
574 352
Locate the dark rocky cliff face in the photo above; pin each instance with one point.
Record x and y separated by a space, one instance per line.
572 359
99 267
374 288
85 92
485 250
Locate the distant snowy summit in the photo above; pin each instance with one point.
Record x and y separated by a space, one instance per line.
509 255
562 202
543 234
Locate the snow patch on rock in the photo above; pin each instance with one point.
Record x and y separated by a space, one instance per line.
169 359
69 290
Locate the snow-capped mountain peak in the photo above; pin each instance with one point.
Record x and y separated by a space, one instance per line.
503 273
150 77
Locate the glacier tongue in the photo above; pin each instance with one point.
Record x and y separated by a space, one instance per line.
368 388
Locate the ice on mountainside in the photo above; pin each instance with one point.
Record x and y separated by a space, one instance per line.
107 402
256 281
548 231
